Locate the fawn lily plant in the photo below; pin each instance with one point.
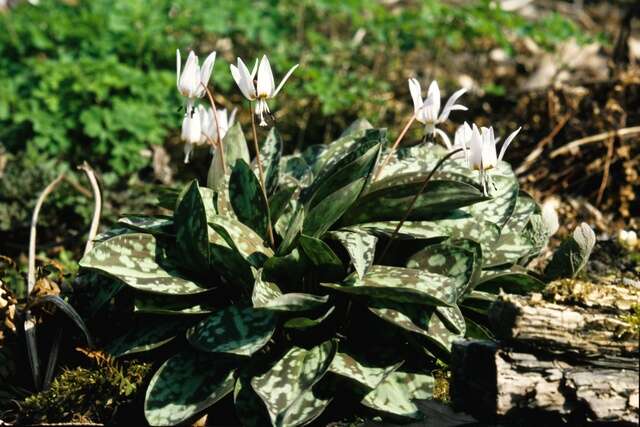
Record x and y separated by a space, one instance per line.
193 79
427 111
260 89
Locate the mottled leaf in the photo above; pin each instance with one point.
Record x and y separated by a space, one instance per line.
362 371
515 280
192 236
248 199
270 154
148 333
185 385
306 322
401 285
161 225
322 257
393 396
148 303
241 331
246 241
284 386
235 148
360 246
572 255
297 301
264 292
138 261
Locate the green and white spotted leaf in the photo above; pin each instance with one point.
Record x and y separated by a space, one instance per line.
368 374
572 255
525 207
250 409
293 229
185 385
284 386
339 148
160 225
247 198
320 254
499 208
240 331
270 154
329 210
358 163
478 302
393 396
264 292
134 259
510 247
400 285
148 303
389 204
297 301
235 148
306 408
192 236
289 268
148 333
304 323
360 246
279 202
246 241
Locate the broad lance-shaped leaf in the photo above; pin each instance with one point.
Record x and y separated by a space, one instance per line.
401 285
160 225
338 149
425 322
360 246
185 385
284 386
139 262
515 280
306 322
329 210
192 236
248 199
68 310
395 394
461 264
247 242
369 374
572 255
235 148
328 264
358 163
241 331
438 198
297 301
270 154
264 292
148 333
148 303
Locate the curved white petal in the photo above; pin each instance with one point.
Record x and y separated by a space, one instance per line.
266 84
187 152
507 141
243 80
254 69
232 118
178 67
489 157
284 79
416 95
451 103
475 149
445 138
190 78
433 95
207 68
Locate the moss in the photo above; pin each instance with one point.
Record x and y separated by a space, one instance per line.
441 386
633 320
589 294
88 395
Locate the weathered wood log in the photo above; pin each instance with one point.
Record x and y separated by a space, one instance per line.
577 334
496 385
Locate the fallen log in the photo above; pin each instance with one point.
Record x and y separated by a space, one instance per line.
499 384
584 335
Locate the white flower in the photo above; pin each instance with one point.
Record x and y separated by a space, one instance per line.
210 127
191 130
260 89
550 215
427 111
482 148
193 79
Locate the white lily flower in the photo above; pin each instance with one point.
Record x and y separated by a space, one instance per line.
482 143
427 110
191 81
191 130
260 89
210 127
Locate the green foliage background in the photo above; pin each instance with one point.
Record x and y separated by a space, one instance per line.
94 80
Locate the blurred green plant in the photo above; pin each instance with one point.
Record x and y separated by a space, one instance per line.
92 80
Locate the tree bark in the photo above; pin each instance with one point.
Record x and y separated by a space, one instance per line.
493 383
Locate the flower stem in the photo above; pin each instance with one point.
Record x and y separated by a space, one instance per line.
394 146
261 175
415 198
215 116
